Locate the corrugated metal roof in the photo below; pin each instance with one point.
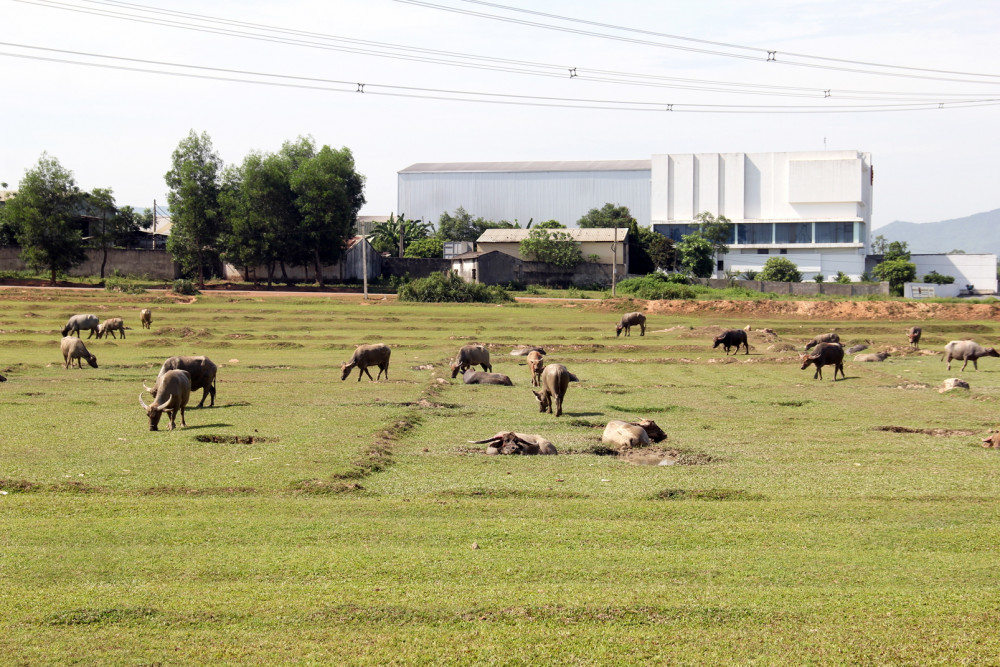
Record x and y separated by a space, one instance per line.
560 165
588 235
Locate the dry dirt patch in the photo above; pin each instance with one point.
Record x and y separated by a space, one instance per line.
927 431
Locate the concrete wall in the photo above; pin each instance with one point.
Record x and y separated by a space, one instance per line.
155 264
414 266
809 264
802 289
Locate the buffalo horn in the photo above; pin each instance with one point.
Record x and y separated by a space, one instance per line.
142 403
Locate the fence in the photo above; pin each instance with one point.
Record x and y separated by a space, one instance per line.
156 264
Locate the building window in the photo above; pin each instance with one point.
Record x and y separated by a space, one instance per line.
675 232
719 266
754 233
763 251
793 232
834 232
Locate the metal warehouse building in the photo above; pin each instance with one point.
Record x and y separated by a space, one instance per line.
563 191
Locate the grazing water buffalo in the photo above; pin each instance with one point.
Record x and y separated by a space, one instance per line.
468 356
554 382
826 354
110 327
79 322
146 318
482 377
73 348
732 338
967 350
508 442
170 395
823 338
630 320
913 335
365 356
201 371
535 363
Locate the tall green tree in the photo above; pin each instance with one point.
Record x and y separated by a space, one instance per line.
44 215
385 235
897 250
113 223
696 255
194 182
428 247
661 251
329 193
608 215
717 229
896 272
552 246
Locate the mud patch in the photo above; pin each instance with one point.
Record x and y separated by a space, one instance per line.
283 345
648 408
707 494
656 456
507 493
234 439
927 431
268 368
791 404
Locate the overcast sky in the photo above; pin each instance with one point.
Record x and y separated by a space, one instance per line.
117 128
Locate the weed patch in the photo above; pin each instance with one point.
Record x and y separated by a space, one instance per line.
112 616
707 494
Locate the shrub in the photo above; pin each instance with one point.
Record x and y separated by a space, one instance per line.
780 269
656 286
184 286
938 279
842 278
819 277
117 282
449 287
533 289
750 274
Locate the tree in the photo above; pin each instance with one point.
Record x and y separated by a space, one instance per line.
608 215
463 227
879 245
550 224
193 198
717 230
428 247
780 269
896 250
329 193
937 279
552 246
113 222
662 252
385 235
696 255
896 272
44 214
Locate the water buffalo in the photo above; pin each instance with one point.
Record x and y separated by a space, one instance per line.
73 348
536 364
482 377
78 322
554 382
823 338
201 371
109 327
826 354
967 350
623 434
170 395
146 318
508 442
732 338
913 335
468 356
630 320
365 356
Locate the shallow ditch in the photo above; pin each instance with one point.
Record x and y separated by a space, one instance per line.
927 431
234 439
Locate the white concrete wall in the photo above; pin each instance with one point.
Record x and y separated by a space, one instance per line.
979 270
809 263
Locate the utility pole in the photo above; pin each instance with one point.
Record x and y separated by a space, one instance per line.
614 261
364 263
154 224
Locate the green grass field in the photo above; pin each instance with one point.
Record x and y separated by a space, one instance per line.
308 520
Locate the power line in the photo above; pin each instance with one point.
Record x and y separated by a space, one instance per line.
757 55
239 29
344 86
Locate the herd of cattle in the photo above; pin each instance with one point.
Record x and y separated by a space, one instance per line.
180 375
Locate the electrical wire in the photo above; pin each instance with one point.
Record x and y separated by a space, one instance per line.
343 86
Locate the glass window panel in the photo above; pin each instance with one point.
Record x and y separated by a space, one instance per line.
793 232
834 232
674 232
758 233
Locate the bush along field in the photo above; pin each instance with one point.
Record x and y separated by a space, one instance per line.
305 519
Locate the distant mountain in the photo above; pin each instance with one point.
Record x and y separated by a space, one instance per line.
979 232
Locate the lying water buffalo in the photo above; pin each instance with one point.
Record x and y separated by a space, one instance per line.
826 354
508 442
732 338
482 377
630 320
554 382
201 371
823 338
73 348
78 322
623 434
967 350
170 394
872 356
468 357
365 356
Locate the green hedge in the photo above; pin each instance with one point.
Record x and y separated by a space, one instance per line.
449 287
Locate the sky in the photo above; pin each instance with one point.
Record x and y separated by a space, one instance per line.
702 66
